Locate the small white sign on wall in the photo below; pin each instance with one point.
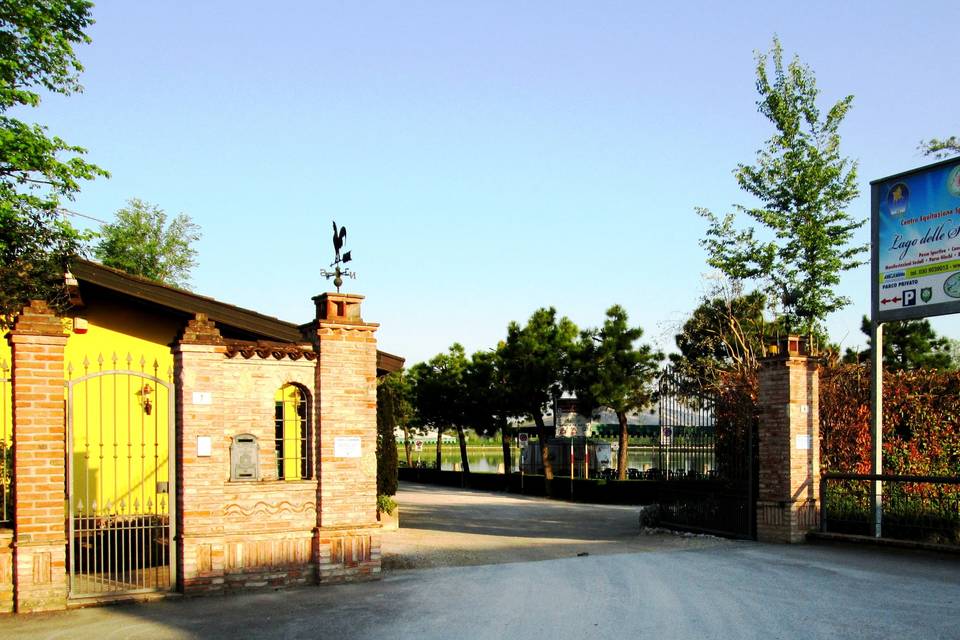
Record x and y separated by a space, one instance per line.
346 447
803 442
204 447
202 397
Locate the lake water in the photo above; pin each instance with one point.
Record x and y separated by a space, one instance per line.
490 459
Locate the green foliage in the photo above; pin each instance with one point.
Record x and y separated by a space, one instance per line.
440 397
907 344
490 400
142 243
723 336
940 148
536 358
393 408
386 504
438 389
611 370
37 171
803 186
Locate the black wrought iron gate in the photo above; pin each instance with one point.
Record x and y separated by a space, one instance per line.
707 458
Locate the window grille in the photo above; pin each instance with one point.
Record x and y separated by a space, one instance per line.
293 434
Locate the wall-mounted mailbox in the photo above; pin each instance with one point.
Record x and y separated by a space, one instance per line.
244 458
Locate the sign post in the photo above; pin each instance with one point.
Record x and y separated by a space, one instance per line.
914 271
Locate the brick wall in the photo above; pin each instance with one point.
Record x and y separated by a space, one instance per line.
245 533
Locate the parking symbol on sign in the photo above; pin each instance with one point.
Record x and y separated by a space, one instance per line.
910 298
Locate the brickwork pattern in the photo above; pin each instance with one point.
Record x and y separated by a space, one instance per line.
347 545
39 447
237 534
789 473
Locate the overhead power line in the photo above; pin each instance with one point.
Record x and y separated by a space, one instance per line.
80 215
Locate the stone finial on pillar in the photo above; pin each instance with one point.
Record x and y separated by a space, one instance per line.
789 443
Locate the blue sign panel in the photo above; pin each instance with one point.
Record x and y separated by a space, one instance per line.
916 243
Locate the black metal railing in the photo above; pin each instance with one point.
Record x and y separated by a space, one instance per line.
916 508
6 447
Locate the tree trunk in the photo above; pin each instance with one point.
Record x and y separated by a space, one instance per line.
506 441
544 449
439 454
407 445
622 454
462 437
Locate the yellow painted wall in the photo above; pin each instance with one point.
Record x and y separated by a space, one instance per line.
120 445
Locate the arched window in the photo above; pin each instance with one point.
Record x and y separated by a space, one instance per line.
293 433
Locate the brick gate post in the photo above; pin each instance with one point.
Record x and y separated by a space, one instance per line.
196 366
347 540
789 443
37 343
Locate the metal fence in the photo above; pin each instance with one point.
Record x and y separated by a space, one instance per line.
6 446
708 445
916 508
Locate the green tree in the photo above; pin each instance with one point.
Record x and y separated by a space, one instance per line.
907 345
37 171
439 397
393 410
940 148
611 370
803 185
536 359
723 335
142 242
490 400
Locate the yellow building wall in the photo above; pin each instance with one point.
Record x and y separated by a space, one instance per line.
121 421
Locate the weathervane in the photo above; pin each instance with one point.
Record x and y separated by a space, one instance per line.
339 235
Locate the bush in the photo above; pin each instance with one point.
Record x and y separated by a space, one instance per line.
386 504
386 441
921 421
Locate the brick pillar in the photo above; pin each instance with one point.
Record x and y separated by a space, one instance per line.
37 342
197 362
347 542
789 440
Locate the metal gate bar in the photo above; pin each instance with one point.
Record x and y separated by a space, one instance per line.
121 524
707 456
6 446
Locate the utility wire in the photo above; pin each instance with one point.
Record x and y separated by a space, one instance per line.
80 215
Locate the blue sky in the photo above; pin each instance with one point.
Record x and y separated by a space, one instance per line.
487 158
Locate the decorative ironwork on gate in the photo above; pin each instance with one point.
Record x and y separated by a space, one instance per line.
121 493
6 446
708 452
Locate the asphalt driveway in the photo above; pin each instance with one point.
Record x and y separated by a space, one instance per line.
627 587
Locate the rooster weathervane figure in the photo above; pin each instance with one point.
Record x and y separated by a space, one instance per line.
339 237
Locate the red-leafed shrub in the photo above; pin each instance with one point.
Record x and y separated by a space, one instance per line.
921 421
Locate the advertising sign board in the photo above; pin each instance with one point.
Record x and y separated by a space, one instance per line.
915 231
